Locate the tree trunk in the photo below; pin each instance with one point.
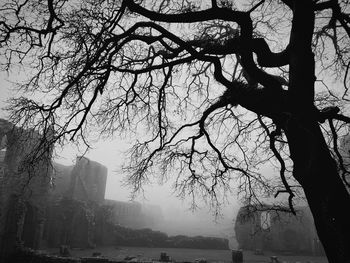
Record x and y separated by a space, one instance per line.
314 167
316 171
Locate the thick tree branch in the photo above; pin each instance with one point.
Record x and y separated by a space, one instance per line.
242 18
341 118
192 17
272 136
343 19
266 58
302 63
289 3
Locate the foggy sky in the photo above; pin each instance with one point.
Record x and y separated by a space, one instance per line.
178 218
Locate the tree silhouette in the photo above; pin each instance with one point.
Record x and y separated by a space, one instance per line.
216 89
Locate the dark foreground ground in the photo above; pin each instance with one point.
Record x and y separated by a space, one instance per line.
189 255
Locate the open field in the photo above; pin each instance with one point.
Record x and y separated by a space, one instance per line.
142 253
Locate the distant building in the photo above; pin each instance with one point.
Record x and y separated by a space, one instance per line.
133 214
88 181
267 229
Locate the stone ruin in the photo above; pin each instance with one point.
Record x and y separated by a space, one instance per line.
23 190
80 216
53 204
270 230
45 204
75 200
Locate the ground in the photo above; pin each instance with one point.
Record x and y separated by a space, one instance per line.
142 253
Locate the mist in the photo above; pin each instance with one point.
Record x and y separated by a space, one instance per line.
178 216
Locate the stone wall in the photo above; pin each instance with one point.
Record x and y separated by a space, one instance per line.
74 203
24 188
84 181
70 222
88 181
79 216
149 238
61 180
133 214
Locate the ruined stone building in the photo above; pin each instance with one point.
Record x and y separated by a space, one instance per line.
44 205
79 215
24 188
266 229
133 214
75 197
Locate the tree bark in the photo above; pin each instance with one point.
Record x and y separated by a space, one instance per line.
316 171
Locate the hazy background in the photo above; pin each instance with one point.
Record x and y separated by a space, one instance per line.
178 217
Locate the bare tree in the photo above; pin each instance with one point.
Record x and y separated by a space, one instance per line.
216 90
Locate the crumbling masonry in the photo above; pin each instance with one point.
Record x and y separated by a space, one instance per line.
44 205
23 192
